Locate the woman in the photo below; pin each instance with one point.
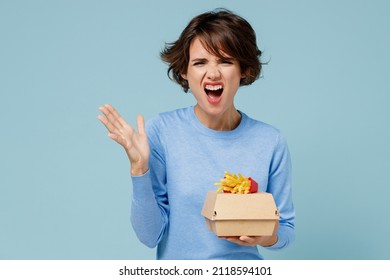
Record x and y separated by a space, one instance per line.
180 154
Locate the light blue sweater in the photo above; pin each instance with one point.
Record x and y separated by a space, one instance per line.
186 159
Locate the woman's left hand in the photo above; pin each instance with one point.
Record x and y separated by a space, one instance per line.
264 241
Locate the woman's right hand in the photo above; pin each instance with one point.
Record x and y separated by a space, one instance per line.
135 143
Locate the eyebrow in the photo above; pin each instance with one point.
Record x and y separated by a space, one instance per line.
205 60
199 60
226 58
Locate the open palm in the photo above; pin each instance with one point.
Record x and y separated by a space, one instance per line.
135 143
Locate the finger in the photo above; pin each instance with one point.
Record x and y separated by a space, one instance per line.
141 125
247 239
106 113
104 110
106 123
237 241
117 139
117 118
111 117
111 110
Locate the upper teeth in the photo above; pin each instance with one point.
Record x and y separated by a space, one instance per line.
211 87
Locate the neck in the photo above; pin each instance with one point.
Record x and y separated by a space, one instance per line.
226 121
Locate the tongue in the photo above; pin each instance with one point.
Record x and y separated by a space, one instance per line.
214 94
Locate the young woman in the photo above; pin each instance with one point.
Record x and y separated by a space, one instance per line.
177 158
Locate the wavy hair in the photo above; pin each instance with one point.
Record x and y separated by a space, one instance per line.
223 34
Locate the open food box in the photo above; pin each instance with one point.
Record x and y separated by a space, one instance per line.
232 214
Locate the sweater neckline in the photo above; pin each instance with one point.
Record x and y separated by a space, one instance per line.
216 133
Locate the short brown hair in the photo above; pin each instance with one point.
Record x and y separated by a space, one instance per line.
222 33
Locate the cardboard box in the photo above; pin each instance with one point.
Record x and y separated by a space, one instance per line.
229 214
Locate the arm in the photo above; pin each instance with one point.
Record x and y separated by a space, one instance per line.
150 209
279 184
149 203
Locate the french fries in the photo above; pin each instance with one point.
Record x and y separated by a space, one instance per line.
237 184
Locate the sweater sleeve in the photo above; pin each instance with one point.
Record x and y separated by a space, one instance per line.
149 208
279 185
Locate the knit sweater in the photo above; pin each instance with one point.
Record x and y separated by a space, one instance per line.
186 160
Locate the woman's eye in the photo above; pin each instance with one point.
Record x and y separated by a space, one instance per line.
198 63
226 62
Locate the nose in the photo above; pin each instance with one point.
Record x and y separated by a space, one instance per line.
213 73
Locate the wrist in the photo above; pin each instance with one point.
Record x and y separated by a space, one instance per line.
272 241
138 170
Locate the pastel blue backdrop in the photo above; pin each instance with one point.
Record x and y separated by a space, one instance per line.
65 187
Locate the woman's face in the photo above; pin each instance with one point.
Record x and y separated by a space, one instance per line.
213 81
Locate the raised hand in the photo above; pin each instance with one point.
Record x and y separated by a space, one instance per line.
135 143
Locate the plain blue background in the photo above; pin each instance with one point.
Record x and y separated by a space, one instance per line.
65 187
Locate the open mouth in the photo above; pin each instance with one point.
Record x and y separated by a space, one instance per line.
214 93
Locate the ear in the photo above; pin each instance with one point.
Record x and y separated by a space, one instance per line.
184 76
